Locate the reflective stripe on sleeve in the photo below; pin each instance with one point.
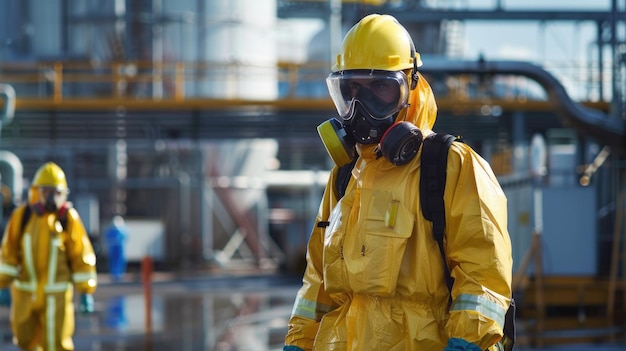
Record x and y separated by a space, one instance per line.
310 309
8 270
480 304
83 277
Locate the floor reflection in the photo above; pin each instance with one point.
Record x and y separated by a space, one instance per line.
201 314
227 315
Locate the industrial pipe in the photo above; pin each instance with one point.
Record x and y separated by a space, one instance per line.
7 93
11 174
605 129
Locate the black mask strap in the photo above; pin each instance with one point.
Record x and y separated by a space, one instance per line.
414 75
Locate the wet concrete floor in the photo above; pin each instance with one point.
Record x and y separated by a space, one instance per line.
206 313
218 313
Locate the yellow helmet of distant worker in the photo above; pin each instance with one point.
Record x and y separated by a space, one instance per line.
50 175
377 42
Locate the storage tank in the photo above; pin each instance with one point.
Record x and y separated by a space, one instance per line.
241 33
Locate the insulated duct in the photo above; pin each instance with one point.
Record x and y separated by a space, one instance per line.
11 169
7 93
603 128
11 172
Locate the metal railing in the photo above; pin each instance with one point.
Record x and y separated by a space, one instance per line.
57 80
203 84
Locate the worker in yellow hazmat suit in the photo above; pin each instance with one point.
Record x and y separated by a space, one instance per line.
375 278
43 259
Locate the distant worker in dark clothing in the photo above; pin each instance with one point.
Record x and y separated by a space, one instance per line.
115 237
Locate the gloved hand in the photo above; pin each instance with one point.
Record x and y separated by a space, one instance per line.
292 348
457 344
86 303
5 297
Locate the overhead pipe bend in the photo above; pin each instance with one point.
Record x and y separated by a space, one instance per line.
603 128
7 93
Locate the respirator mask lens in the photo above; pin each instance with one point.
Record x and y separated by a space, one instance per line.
380 93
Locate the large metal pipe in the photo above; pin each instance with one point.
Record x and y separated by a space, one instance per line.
11 173
605 129
7 93
10 166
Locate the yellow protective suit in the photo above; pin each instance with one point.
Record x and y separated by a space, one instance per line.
375 279
43 263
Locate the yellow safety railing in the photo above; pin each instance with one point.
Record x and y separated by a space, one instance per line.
143 84
59 77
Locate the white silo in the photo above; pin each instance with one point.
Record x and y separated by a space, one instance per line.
239 37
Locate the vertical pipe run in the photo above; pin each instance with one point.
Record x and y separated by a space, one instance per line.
600 65
57 83
615 87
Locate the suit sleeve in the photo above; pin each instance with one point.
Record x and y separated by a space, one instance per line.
81 255
478 249
10 251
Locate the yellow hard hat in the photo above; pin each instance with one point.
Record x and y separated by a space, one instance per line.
50 175
377 42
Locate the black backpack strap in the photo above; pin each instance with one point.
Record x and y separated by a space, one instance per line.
344 173
62 215
432 185
25 217
509 327
343 178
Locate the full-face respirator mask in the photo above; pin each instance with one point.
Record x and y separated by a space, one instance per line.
368 103
52 199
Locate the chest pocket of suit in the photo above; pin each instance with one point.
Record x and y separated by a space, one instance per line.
374 253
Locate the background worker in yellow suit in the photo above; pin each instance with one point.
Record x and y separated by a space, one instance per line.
45 254
375 277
